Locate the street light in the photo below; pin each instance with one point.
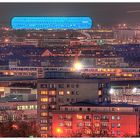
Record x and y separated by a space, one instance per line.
59 131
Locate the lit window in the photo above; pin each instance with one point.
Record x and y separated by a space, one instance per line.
68 123
44 128
113 117
87 124
61 93
77 93
44 114
97 125
60 124
44 99
44 135
79 117
97 132
43 121
68 116
52 92
118 118
96 117
113 132
79 124
43 106
60 117
118 125
44 92
99 92
68 92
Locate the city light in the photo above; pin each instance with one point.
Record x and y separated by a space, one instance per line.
14 126
134 90
111 91
6 40
59 130
78 66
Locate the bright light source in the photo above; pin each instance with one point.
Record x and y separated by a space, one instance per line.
78 66
134 90
14 126
111 91
6 40
58 130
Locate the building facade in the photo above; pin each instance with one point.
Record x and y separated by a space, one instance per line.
95 121
57 90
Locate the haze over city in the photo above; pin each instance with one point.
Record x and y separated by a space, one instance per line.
102 13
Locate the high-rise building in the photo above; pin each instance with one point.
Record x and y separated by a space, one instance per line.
60 88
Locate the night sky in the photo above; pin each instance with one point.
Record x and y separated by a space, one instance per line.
102 13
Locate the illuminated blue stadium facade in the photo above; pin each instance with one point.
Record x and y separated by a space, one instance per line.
44 23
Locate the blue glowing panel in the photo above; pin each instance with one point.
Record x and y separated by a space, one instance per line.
51 23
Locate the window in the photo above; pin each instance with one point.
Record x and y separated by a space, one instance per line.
61 85
68 123
43 85
72 100
43 106
68 85
104 124
104 117
113 117
44 99
113 132
80 109
44 135
77 86
44 114
79 124
68 116
60 117
61 92
77 92
97 124
68 92
43 121
88 109
87 124
79 117
52 92
96 117
99 92
72 85
44 92
118 118
60 124
118 132
112 125
87 117
52 86
118 125
72 93
44 128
